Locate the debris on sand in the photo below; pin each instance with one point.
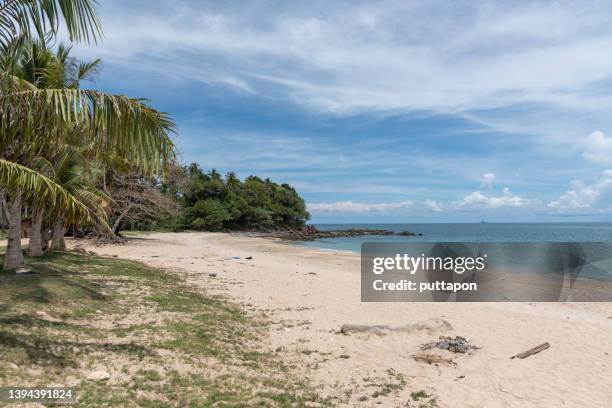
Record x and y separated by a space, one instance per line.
455 344
433 359
532 351
429 326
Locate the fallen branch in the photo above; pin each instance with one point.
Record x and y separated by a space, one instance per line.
532 351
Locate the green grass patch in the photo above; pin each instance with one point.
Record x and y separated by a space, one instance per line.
425 400
394 383
163 343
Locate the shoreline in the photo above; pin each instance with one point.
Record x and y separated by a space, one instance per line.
310 294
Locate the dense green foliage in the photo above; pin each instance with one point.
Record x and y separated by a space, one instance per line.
212 202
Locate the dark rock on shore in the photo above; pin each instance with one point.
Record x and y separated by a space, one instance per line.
407 233
310 233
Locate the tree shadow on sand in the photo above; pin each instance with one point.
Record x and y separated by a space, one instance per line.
43 348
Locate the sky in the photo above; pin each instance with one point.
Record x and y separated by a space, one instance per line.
387 111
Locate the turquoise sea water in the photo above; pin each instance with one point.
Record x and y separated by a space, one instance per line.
485 232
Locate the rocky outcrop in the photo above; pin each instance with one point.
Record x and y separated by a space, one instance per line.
310 233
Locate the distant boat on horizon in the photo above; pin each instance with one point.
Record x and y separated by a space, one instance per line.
484 222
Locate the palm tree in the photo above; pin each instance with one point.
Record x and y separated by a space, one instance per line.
32 118
70 171
19 20
40 66
24 183
36 118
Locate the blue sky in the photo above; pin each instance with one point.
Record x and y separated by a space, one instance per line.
392 111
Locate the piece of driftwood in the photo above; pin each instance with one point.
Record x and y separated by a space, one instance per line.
532 351
429 326
433 359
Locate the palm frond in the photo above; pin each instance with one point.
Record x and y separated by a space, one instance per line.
44 166
36 17
96 201
86 71
128 127
34 186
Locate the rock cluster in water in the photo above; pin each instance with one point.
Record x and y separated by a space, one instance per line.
310 233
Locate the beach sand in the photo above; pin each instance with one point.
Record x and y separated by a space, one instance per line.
309 294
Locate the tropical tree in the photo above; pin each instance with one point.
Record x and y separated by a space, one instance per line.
21 20
33 118
212 202
37 119
45 69
70 170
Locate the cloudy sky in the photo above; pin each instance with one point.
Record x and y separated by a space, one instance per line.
397 111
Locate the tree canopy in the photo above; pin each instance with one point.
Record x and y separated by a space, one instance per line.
214 202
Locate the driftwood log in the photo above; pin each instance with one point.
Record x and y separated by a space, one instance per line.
429 326
532 351
433 359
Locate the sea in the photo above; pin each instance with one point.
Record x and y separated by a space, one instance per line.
468 232
599 253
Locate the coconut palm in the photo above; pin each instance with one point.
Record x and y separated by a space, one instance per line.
23 183
20 20
35 117
70 171
46 69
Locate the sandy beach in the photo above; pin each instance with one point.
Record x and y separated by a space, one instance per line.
309 294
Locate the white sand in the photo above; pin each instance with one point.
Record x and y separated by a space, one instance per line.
309 294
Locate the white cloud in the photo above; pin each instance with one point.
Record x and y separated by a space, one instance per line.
354 57
598 148
582 196
433 205
361 207
541 69
487 180
478 200
356 207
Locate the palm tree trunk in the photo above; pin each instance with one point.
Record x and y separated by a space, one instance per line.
13 258
57 241
35 246
44 234
4 214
